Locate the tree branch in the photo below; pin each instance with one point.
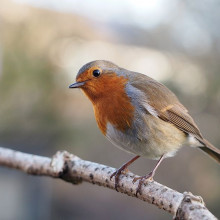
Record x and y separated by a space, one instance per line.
72 169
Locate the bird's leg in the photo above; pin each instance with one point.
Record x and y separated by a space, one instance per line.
118 172
147 177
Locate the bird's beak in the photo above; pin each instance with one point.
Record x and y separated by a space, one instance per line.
76 85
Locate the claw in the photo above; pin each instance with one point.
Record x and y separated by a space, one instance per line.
139 187
147 177
113 175
141 181
118 172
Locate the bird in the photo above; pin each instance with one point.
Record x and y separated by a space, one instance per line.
139 115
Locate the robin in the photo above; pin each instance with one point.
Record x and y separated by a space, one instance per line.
139 115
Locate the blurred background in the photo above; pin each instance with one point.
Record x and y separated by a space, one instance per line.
42 46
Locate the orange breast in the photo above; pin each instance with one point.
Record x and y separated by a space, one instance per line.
111 103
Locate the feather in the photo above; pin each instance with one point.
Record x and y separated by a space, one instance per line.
166 104
182 120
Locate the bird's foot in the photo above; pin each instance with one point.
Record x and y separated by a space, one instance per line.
141 181
117 174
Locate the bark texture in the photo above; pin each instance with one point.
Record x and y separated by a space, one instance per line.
72 169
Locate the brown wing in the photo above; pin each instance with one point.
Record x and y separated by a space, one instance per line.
166 104
181 119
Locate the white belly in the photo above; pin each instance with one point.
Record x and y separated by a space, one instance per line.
152 139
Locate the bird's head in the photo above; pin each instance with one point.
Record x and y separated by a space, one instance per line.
99 79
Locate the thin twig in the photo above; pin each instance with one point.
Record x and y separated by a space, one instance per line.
72 169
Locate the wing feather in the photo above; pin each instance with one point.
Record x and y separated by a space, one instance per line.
166 104
181 120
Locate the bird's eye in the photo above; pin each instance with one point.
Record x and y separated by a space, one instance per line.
96 73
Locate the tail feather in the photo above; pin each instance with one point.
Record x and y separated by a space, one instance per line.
211 150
